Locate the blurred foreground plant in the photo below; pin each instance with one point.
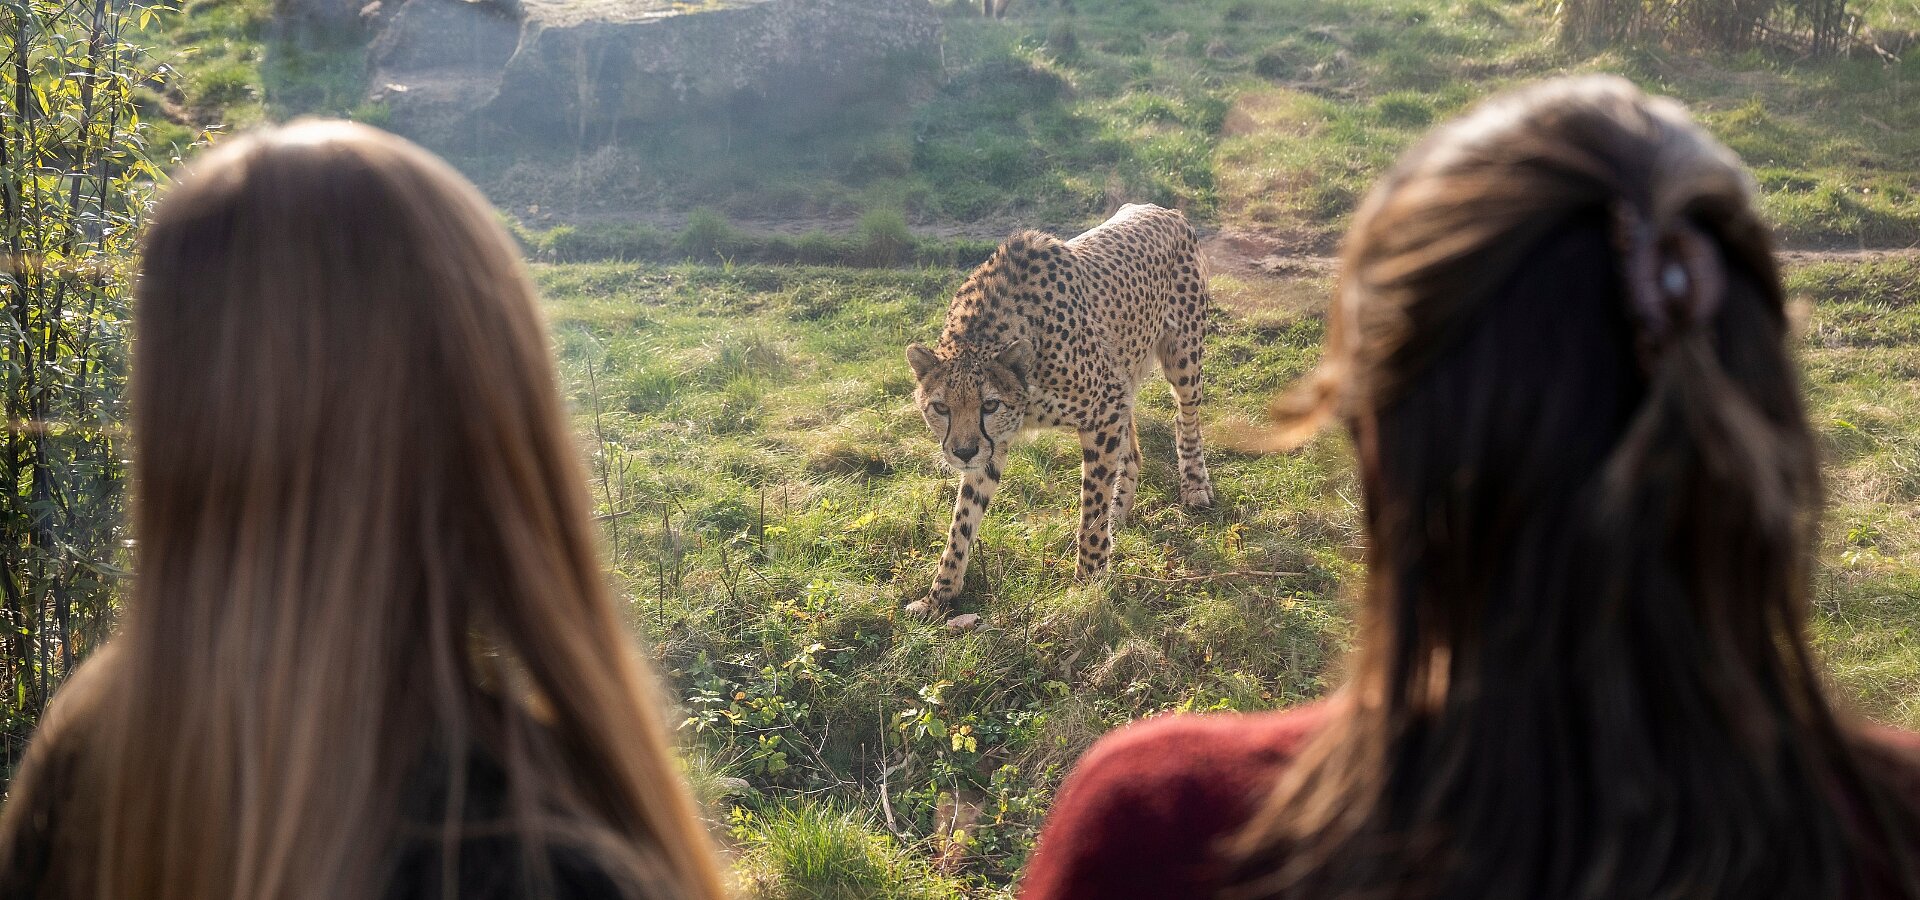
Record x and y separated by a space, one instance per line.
75 180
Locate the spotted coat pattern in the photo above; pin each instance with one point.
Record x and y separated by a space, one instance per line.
1062 334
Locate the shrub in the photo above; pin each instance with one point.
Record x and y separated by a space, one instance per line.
1273 64
226 85
63 309
707 232
884 238
1062 41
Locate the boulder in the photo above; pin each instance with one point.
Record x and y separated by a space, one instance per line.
435 62
577 72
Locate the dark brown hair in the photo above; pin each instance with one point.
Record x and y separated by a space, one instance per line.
1559 344
364 543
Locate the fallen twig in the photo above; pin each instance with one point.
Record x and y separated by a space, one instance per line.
1211 576
886 805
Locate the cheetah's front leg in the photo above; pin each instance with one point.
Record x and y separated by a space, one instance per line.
1126 487
1101 451
976 491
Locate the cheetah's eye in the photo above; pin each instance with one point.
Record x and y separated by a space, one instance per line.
940 408
990 407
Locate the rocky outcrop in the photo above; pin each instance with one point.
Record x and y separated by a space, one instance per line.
587 71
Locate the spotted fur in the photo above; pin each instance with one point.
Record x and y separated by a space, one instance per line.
1062 334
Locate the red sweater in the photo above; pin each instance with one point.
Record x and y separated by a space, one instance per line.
1143 811
1143 814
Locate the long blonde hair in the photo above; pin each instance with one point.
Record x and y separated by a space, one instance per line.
364 544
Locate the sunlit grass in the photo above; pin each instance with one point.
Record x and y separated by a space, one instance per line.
774 501
1268 114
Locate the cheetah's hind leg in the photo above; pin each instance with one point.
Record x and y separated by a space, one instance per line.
1180 362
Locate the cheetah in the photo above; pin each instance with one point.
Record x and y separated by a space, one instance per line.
1061 334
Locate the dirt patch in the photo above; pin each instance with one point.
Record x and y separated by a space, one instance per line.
1234 250
1804 257
788 225
1270 252
1277 275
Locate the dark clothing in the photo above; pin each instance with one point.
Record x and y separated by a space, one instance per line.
1145 811
491 869
47 852
490 865
50 855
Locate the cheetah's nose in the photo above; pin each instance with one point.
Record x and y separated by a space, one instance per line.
964 454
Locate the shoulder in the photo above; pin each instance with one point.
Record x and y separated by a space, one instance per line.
1144 810
1895 754
1017 255
49 820
1177 750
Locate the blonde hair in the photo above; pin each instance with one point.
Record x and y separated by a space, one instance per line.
365 545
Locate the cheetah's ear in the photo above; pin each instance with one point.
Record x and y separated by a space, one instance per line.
921 359
1019 357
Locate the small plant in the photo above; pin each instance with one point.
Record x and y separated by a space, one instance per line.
884 238
1273 64
809 852
372 112
1404 111
706 234
228 84
1062 41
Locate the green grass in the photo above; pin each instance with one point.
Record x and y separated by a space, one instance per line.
230 65
817 853
775 501
1863 363
1268 114
1835 144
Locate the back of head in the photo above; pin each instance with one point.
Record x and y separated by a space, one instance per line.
1559 344
364 545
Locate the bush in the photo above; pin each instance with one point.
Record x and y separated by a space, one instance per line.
884 238
63 362
1730 25
1062 42
1273 64
226 85
707 232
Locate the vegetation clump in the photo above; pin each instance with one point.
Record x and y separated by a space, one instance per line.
74 181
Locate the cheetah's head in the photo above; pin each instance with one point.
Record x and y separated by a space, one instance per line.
974 399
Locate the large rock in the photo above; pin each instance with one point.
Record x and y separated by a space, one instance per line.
585 71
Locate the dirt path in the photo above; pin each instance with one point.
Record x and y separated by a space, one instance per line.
1230 250
1275 274
1242 251
788 226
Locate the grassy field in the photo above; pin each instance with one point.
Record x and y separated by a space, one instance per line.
773 500
1262 114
